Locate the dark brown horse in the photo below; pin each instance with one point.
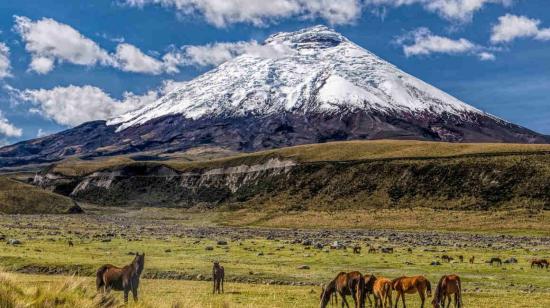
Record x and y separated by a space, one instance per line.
218 277
110 277
345 284
541 263
410 285
447 286
496 260
369 287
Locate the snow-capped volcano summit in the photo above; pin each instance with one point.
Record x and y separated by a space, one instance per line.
309 86
311 70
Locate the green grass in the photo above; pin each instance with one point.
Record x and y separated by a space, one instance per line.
20 198
45 249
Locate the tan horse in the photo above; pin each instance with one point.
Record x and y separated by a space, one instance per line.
410 285
382 290
447 286
345 284
110 277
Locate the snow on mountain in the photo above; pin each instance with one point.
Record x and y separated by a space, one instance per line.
314 70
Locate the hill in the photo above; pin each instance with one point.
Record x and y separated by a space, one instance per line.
357 174
20 198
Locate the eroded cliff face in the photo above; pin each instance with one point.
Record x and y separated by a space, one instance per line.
452 183
147 184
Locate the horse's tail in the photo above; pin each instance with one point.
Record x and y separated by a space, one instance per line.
459 304
388 287
429 287
99 282
361 292
439 288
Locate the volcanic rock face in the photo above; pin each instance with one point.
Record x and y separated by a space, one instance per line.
309 86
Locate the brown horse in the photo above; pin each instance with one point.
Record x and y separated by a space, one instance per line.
472 260
110 277
369 286
345 284
447 286
411 285
218 277
382 290
541 263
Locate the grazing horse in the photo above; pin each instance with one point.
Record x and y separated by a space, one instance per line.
446 258
357 249
411 285
218 277
345 284
461 258
472 259
540 263
372 250
382 290
110 277
369 286
448 285
495 260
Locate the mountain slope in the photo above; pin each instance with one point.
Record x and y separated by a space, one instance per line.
309 86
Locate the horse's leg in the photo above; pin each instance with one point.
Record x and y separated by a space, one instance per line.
126 291
368 297
135 293
422 297
397 298
223 280
403 299
344 301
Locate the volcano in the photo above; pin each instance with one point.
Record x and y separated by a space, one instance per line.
309 86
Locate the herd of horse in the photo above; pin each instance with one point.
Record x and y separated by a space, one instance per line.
359 287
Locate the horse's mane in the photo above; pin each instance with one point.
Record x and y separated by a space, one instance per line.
439 289
137 264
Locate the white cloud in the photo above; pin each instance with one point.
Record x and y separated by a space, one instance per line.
7 129
457 10
486 56
131 59
5 65
511 27
217 53
41 133
50 42
423 42
259 13
74 105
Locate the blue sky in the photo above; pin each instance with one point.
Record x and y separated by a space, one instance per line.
63 62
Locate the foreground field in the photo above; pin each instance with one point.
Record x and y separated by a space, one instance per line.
263 264
167 293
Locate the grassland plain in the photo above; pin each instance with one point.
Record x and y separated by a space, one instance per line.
332 151
262 264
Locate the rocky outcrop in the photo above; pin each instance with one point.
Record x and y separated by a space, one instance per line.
478 182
